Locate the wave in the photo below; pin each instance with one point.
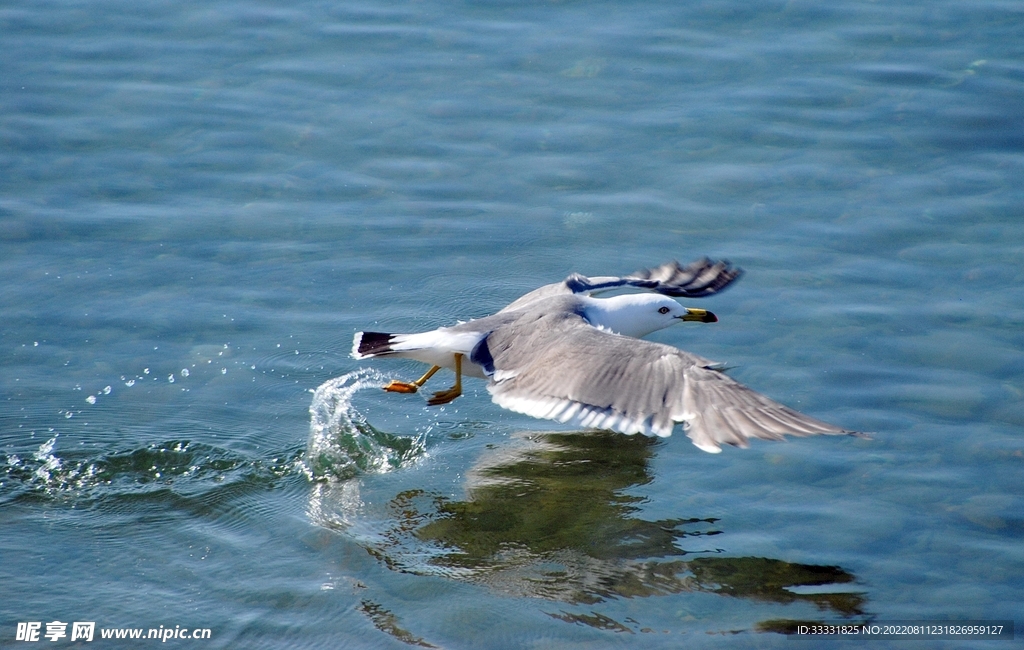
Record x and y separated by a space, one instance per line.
341 444
183 467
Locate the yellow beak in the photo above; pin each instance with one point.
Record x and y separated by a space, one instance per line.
700 315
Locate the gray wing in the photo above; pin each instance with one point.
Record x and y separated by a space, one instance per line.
557 367
697 279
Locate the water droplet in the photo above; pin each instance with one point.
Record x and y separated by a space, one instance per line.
129 383
106 390
68 415
184 372
223 371
170 378
145 371
91 399
35 344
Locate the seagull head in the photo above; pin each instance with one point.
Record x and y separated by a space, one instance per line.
639 314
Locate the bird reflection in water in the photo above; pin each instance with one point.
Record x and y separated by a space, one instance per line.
550 516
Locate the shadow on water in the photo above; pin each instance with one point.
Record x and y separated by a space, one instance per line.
550 516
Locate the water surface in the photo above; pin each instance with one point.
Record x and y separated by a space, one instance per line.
200 203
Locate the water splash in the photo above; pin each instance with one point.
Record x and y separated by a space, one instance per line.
342 443
49 462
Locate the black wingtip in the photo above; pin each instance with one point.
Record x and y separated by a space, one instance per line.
374 343
700 278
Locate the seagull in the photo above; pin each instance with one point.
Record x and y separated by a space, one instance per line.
560 353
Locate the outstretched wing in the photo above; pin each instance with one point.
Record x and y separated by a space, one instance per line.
697 279
557 367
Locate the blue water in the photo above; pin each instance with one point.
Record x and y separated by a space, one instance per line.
201 202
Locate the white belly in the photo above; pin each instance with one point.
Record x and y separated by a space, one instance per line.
438 348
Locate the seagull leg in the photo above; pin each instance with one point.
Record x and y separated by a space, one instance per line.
445 396
395 386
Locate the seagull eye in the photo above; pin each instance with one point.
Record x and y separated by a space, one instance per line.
663 310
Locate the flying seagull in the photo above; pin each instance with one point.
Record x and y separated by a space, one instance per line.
560 353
